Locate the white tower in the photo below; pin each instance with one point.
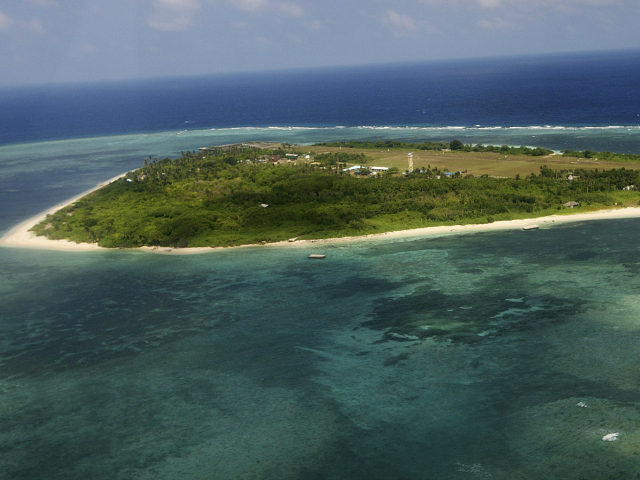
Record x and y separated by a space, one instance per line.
410 155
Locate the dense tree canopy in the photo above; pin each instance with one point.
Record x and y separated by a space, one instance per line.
455 145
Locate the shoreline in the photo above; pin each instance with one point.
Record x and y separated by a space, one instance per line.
20 236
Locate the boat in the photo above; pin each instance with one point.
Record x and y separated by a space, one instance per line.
531 227
316 255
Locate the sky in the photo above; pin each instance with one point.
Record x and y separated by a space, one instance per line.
43 41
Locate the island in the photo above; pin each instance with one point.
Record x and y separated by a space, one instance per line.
262 193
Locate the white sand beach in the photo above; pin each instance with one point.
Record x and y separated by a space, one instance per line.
20 236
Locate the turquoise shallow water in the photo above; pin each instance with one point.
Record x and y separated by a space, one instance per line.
502 355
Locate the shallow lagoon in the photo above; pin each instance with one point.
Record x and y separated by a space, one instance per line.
453 357
489 355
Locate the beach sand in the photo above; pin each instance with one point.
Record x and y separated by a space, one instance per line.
20 236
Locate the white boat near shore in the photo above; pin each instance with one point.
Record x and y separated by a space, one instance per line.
531 227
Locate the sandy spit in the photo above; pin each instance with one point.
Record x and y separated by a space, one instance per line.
20 236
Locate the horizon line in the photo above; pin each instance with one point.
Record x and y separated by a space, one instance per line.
311 69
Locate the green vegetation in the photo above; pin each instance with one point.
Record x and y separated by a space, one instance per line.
341 158
606 156
387 144
507 150
236 196
454 145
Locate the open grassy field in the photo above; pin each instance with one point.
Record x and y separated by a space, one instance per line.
475 163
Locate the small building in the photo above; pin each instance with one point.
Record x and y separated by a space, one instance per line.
373 170
292 156
571 204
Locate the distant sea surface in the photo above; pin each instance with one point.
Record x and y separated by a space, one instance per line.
503 355
562 90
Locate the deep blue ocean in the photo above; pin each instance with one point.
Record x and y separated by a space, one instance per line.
562 90
506 355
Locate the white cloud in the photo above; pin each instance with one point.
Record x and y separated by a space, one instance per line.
249 5
173 15
164 24
530 4
85 49
291 9
566 3
496 23
241 25
594 2
44 3
35 25
489 3
314 25
177 5
5 22
400 20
